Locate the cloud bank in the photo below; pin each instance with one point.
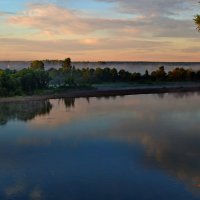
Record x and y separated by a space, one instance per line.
130 25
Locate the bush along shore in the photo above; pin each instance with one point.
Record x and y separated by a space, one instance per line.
35 80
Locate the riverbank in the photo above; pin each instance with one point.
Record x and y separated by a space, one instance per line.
107 91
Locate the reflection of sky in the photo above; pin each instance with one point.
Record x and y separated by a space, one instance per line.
116 147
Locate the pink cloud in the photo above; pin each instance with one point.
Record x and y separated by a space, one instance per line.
57 20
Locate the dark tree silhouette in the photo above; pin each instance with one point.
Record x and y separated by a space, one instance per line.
37 65
197 21
66 65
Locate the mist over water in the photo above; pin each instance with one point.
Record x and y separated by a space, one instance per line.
129 66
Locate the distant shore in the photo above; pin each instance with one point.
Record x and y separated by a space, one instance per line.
131 66
105 92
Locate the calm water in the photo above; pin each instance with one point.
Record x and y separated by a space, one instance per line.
134 147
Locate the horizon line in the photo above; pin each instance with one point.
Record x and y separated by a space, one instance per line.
139 61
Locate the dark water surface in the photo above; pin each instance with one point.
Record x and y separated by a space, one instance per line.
119 148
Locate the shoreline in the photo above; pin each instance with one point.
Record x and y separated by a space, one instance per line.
103 93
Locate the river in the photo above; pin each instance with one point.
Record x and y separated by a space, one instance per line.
129 147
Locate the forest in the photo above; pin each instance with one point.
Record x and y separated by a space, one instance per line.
35 78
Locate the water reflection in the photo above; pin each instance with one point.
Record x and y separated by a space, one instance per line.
23 111
26 111
105 149
69 102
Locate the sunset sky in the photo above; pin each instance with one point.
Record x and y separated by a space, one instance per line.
92 30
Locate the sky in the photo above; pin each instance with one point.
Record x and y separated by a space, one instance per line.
99 30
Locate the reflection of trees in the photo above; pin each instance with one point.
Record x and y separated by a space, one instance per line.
109 97
23 111
179 95
69 102
161 95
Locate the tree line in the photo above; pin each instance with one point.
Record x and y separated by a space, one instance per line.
35 78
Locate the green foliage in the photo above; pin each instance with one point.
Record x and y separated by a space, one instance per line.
135 77
86 75
35 79
159 75
37 65
114 74
197 21
181 74
98 74
66 65
31 80
124 76
25 81
8 84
